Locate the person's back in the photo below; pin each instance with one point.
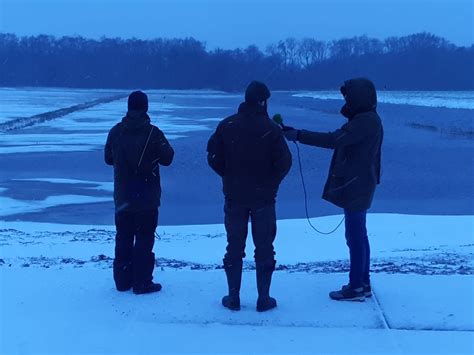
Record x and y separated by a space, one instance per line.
136 148
136 169
255 155
249 152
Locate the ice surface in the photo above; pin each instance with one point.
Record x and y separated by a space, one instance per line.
26 102
10 206
450 99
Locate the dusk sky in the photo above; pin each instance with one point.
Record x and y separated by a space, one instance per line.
239 23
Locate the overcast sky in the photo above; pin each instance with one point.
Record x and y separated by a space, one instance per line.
238 23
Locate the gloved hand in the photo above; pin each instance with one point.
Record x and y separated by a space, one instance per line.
291 134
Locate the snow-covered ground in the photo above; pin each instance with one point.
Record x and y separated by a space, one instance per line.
58 296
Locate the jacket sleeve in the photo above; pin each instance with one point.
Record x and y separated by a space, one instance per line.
350 133
108 153
163 152
215 152
281 157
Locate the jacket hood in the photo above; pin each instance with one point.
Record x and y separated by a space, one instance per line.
134 120
360 96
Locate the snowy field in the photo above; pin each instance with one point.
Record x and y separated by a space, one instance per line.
57 234
58 294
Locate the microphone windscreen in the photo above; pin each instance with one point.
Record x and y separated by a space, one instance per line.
278 119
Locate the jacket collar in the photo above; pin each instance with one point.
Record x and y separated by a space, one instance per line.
135 120
252 109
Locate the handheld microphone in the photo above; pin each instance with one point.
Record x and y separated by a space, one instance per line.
278 119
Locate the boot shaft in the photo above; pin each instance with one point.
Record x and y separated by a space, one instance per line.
264 277
233 271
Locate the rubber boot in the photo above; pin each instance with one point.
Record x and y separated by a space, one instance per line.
264 279
122 276
233 271
143 275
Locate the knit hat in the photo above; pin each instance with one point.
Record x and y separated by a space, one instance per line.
138 101
256 92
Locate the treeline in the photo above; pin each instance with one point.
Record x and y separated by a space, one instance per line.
420 61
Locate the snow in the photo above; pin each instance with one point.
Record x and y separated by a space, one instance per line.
429 302
449 99
296 242
74 302
77 311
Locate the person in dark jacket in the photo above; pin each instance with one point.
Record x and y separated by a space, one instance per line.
353 175
249 152
136 149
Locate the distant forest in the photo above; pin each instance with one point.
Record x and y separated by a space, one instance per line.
419 61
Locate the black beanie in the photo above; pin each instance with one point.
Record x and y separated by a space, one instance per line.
138 101
256 92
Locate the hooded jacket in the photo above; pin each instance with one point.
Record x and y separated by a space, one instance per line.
356 163
136 168
249 152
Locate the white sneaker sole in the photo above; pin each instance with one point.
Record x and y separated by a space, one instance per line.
354 299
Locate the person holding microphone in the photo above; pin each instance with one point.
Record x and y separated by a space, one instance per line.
353 176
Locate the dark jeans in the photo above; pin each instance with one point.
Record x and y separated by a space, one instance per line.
263 221
359 248
134 258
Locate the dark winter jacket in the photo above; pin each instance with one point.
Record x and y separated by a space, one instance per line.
137 183
356 162
249 152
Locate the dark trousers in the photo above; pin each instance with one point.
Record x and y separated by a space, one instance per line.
134 258
359 248
263 222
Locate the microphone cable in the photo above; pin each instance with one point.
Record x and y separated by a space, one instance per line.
306 197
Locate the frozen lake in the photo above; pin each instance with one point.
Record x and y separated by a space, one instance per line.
54 171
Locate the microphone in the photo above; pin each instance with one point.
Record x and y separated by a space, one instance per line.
278 119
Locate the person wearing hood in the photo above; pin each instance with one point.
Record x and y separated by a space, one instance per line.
353 175
136 149
250 154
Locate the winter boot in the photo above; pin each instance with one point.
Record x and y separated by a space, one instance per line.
348 293
233 271
122 276
264 279
143 274
148 288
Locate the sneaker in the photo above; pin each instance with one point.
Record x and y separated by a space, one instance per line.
367 290
150 288
347 293
231 302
